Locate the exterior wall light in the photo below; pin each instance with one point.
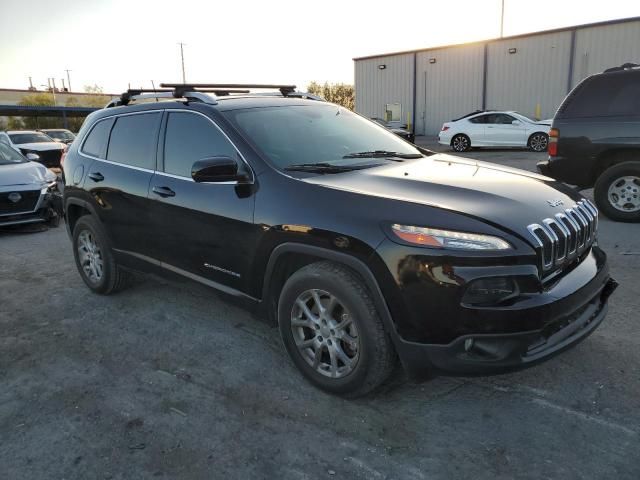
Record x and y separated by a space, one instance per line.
432 60
382 67
513 50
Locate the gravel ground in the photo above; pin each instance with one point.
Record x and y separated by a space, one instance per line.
168 380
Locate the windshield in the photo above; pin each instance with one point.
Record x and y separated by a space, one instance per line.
60 134
318 133
20 138
525 117
8 156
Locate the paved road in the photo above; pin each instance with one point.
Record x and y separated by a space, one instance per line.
166 380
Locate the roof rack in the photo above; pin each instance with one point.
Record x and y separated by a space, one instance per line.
284 89
198 92
625 66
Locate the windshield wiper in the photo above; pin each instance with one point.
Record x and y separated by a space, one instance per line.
395 156
324 167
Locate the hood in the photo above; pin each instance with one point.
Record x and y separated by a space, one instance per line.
28 173
40 146
506 197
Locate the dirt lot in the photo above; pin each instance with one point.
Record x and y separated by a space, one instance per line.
166 380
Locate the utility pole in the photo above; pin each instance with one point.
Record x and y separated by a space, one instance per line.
502 21
182 59
64 88
68 79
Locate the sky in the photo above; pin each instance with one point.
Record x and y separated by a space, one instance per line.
117 43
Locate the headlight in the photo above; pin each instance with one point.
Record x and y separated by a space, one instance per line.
432 237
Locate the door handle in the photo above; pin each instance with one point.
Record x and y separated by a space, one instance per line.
96 176
164 191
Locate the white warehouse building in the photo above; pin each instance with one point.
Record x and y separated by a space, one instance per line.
529 73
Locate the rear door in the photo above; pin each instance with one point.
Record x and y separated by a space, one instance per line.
502 131
118 178
202 229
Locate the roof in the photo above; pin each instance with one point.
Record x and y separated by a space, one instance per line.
523 35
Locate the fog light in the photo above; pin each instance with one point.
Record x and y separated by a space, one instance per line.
490 291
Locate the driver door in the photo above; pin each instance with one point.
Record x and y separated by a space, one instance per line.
201 229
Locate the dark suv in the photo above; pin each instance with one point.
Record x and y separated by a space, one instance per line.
363 248
595 141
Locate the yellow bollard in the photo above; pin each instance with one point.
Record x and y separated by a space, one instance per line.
537 115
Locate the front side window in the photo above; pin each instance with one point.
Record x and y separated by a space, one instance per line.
8 156
133 140
317 133
95 144
189 138
502 119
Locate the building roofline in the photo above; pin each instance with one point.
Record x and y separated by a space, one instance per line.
491 40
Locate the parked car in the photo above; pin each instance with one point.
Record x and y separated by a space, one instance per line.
595 141
47 150
59 134
495 129
28 191
402 132
363 248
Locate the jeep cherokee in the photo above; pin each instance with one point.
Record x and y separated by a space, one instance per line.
363 248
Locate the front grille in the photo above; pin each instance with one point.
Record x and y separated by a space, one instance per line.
565 236
26 203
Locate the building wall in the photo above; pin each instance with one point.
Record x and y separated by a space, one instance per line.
533 80
13 96
448 88
375 87
599 48
537 74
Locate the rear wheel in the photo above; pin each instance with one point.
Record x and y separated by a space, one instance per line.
461 143
617 192
332 330
538 142
94 258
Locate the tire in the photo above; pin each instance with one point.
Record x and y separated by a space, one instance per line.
112 277
538 142
617 192
358 332
461 143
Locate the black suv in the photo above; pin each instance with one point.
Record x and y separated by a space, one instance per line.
361 247
595 141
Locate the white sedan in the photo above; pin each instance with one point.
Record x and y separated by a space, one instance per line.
35 146
495 129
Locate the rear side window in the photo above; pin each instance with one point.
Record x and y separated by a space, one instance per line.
480 119
133 140
191 137
96 142
615 94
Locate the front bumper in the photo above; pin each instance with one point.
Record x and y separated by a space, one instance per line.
435 331
48 208
500 353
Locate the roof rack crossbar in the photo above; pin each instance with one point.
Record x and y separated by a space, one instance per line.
142 94
284 89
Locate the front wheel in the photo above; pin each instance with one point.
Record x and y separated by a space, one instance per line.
332 331
617 192
461 143
94 257
538 142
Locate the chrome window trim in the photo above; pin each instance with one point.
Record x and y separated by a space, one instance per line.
184 110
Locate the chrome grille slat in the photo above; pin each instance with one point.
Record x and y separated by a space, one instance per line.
566 235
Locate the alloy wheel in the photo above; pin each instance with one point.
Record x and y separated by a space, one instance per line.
624 194
460 143
90 256
325 333
539 143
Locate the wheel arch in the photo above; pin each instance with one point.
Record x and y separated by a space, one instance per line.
74 209
609 158
289 257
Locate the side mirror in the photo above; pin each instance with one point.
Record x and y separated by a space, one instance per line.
34 157
216 170
515 122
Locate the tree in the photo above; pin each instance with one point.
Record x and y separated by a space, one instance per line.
36 100
340 93
93 89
